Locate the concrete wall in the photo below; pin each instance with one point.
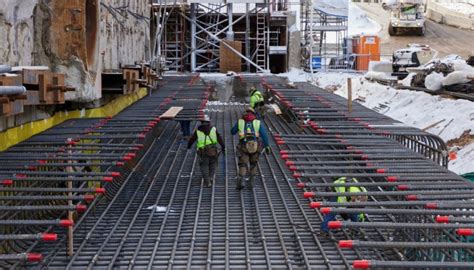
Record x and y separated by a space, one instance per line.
43 32
441 14
55 34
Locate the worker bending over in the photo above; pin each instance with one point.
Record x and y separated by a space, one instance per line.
344 199
207 138
251 136
257 102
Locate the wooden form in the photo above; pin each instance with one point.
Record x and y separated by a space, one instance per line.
171 113
129 80
11 104
50 86
229 60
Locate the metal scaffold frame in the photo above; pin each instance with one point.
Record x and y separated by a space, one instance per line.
323 36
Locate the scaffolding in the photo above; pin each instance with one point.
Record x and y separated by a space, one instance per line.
191 35
324 26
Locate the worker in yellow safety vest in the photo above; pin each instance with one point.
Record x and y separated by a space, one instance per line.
344 199
207 138
252 135
257 102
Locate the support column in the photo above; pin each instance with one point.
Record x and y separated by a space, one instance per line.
247 34
230 32
193 37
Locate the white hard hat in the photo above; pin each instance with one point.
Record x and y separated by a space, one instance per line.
206 118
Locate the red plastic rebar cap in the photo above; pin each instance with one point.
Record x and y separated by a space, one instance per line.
107 179
411 197
349 147
7 182
335 224
283 152
280 142
315 205
346 243
34 257
296 175
402 187
131 154
465 232
321 130
119 163
32 168
20 175
49 237
66 223
141 146
285 156
301 185
292 168
114 174
89 198
141 136
126 158
431 206
364 157
368 164
289 163
381 171
308 194
361 264
326 210
71 142
442 219
392 178
100 190
81 208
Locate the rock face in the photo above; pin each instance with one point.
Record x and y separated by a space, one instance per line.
80 38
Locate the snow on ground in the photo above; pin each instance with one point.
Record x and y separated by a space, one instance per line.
465 8
360 23
416 109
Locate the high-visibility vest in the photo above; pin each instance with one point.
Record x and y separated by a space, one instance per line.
256 98
245 129
204 140
341 189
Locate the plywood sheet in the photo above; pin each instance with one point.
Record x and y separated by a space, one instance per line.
230 61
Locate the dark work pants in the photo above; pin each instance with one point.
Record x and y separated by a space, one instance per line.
208 167
185 127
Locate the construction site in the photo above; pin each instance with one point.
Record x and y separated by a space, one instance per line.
236 134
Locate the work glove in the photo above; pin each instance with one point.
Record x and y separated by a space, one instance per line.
268 150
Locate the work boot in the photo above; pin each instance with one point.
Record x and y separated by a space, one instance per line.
251 181
208 183
239 185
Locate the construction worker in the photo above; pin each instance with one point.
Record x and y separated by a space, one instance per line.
251 136
344 199
207 138
257 102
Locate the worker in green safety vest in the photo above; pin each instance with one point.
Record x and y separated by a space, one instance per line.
207 138
252 135
257 102
344 199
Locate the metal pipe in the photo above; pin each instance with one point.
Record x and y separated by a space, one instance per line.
12 90
5 69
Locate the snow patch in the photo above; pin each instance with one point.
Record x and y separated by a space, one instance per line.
360 23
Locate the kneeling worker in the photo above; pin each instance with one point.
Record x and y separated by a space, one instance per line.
251 134
257 102
207 138
344 199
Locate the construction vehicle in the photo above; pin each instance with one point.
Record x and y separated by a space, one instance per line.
415 55
405 16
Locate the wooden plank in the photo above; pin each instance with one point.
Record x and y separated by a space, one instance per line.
171 113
